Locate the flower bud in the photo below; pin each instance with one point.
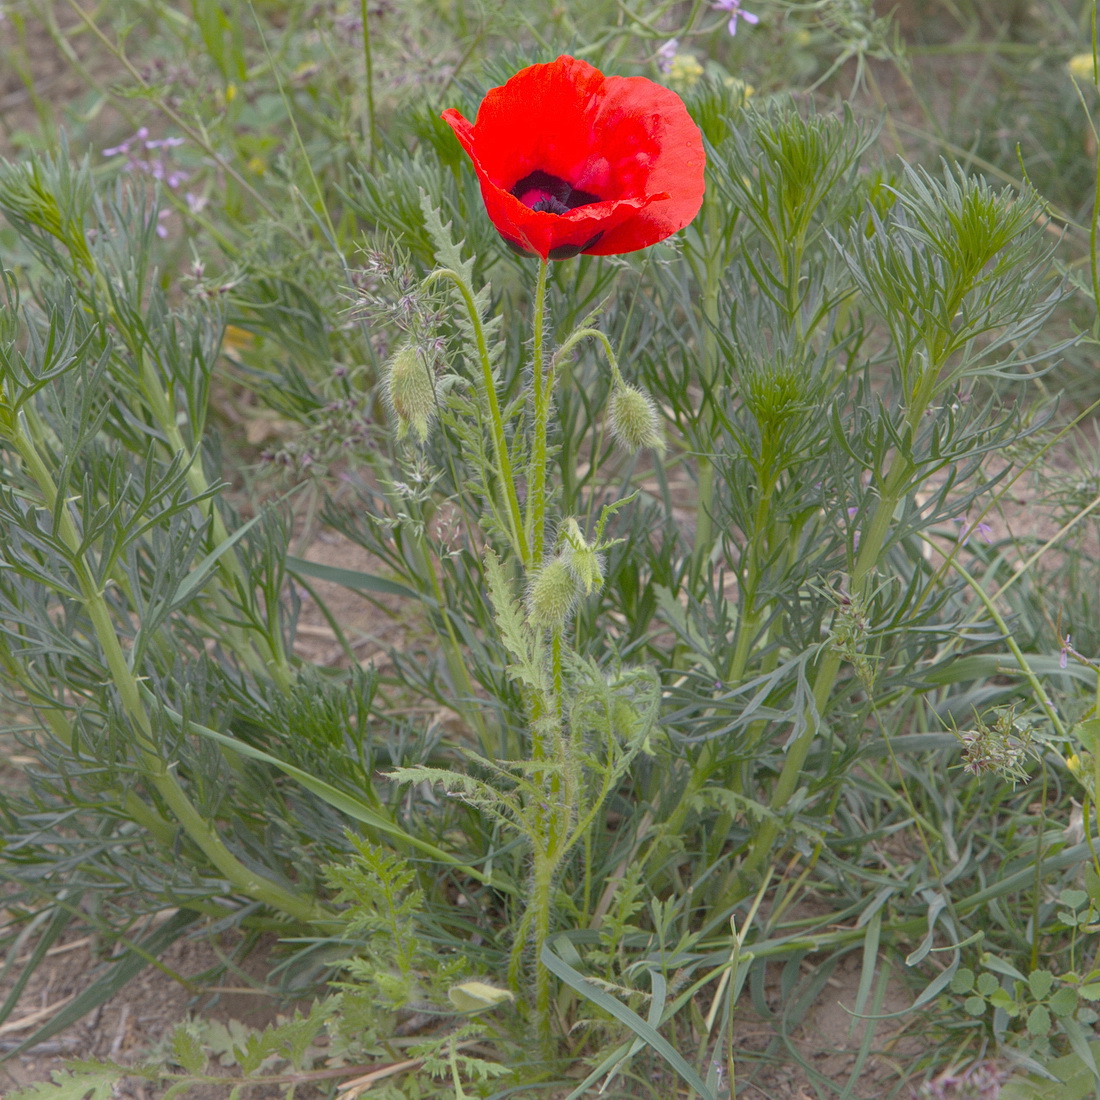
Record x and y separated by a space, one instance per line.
634 420
552 595
583 560
410 392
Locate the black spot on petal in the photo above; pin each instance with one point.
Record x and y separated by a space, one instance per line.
541 191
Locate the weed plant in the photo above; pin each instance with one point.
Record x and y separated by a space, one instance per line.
737 674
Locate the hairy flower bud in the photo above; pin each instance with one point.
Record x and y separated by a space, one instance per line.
583 559
410 392
633 418
552 595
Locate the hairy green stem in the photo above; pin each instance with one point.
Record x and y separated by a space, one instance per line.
556 674
542 392
541 899
502 458
575 337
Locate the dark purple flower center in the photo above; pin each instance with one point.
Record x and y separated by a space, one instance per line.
541 191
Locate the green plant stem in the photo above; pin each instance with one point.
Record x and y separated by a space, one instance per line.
556 675
870 550
750 578
580 334
1037 885
541 899
53 719
704 533
710 756
542 392
1094 222
158 773
273 660
368 71
505 477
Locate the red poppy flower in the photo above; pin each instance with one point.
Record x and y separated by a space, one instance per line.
570 160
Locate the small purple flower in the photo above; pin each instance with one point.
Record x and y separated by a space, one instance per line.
124 146
163 143
666 54
1067 646
133 147
735 13
966 530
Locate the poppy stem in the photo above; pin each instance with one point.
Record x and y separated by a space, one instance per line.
542 385
582 334
496 419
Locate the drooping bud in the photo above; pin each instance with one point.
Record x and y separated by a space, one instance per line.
552 595
410 392
633 419
583 559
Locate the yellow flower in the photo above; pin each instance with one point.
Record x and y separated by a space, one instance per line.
743 90
1080 67
684 70
1080 767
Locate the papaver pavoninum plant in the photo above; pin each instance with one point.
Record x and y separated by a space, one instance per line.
571 161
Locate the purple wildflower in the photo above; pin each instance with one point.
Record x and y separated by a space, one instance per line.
966 530
666 54
135 149
735 13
